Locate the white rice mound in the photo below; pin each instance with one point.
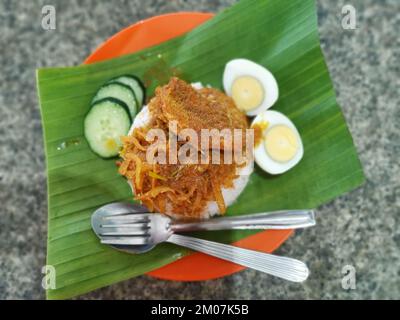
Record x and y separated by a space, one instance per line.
229 194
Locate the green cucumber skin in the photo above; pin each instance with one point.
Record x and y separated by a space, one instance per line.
138 80
131 112
116 101
138 105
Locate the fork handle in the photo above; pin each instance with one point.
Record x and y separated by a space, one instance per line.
289 219
282 267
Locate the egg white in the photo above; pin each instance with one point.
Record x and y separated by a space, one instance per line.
261 156
242 67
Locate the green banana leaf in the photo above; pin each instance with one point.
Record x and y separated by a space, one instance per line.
279 34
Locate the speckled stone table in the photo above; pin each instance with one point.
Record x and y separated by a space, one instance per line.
361 228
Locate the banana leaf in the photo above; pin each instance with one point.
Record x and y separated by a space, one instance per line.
279 34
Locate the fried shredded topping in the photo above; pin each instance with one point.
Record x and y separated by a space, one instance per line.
183 189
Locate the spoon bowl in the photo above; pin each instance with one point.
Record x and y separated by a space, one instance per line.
115 209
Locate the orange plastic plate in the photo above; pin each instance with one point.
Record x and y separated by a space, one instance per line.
147 33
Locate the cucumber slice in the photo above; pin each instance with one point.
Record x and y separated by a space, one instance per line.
105 123
135 84
120 92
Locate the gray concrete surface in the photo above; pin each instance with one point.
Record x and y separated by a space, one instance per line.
360 228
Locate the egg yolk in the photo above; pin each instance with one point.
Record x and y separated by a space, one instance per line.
281 143
247 92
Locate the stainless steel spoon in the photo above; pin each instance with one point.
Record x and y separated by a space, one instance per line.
140 234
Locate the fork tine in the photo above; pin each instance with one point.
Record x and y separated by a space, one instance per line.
129 229
128 217
126 226
125 241
125 232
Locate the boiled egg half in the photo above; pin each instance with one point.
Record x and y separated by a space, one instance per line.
252 87
277 146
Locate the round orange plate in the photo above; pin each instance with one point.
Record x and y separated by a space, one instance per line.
147 33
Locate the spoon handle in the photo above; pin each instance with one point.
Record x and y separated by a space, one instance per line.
290 219
282 267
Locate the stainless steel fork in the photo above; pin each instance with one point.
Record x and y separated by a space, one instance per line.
144 231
